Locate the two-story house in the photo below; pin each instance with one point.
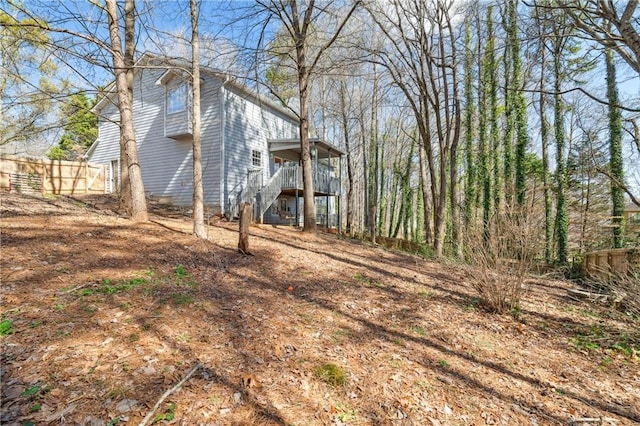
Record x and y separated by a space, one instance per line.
250 145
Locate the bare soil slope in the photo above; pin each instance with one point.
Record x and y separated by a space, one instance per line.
101 317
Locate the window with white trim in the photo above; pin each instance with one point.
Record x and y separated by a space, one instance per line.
177 98
256 158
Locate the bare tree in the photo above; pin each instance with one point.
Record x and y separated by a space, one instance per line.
298 19
420 55
123 69
614 25
80 42
198 191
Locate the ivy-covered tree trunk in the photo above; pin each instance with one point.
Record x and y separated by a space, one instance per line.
520 106
562 218
483 173
509 113
494 130
616 166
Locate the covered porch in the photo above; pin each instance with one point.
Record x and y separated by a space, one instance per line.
285 158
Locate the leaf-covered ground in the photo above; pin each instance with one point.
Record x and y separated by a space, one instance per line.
100 317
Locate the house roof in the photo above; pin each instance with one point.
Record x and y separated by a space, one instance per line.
289 149
172 65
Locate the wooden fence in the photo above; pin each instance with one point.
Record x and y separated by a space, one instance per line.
601 265
52 176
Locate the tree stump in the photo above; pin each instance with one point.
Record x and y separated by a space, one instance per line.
245 220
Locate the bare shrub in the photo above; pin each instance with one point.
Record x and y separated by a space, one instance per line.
626 291
621 287
500 262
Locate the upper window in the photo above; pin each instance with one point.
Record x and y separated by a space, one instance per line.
256 158
177 99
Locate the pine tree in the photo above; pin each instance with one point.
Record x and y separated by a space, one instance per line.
80 130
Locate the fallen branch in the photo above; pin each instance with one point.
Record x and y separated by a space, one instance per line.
169 392
71 290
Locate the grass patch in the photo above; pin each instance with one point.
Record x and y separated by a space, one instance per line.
346 414
363 279
425 294
182 276
6 327
168 415
108 286
595 338
181 299
418 330
341 334
331 374
30 391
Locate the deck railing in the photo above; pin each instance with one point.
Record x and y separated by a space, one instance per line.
291 177
322 180
269 193
286 177
244 192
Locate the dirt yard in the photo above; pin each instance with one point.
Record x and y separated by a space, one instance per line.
101 317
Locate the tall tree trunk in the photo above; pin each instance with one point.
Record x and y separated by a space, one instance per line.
494 130
469 135
347 141
124 81
616 165
507 142
198 191
562 219
424 186
520 107
373 161
544 137
483 173
299 38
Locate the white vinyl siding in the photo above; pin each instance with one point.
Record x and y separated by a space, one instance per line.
167 164
248 125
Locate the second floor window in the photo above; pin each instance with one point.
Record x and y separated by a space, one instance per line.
177 99
256 158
